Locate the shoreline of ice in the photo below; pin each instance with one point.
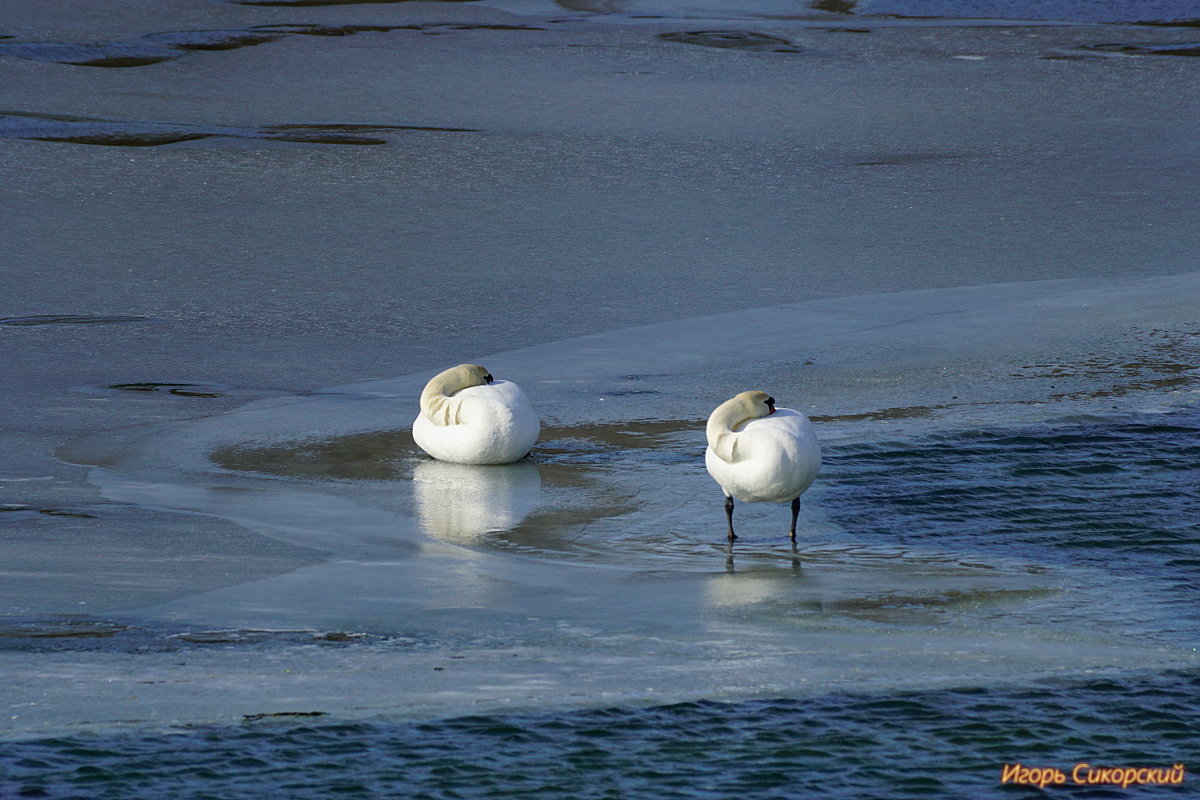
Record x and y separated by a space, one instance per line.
570 625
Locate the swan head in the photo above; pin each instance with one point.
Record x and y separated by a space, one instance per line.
471 375
444 385
455 379
746 406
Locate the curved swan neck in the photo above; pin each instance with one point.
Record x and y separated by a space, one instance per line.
436 398
726 418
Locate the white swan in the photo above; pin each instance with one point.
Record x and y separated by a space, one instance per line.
760 453
469 418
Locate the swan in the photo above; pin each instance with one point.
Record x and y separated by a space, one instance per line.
470 418
760 453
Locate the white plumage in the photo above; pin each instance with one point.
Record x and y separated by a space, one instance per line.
467 417
759 453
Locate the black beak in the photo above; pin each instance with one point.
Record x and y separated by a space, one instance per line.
771 405
488 377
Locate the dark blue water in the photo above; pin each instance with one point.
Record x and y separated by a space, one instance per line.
1112 497
1110 491
1118 496
937 744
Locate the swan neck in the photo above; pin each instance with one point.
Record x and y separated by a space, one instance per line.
437 400
722 428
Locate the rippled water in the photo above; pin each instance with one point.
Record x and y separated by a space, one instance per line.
1112 495
909 745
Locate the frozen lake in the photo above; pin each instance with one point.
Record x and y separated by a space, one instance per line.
239 238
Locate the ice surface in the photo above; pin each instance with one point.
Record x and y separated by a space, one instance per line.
604 555
546 173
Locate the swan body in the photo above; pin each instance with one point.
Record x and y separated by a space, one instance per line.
760 453
468 417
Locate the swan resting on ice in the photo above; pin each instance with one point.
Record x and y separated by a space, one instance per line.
468 417
760 453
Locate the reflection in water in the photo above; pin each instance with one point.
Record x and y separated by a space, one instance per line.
462 503
748 586
731 567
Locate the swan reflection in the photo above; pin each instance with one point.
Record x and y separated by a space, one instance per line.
750 586
463 503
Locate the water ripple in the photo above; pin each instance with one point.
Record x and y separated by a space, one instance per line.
913 745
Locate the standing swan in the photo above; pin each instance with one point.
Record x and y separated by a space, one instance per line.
758 453
469 418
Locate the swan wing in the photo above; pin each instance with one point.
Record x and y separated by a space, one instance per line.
775 458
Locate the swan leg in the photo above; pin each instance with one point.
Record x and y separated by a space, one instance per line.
795 513
729 516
